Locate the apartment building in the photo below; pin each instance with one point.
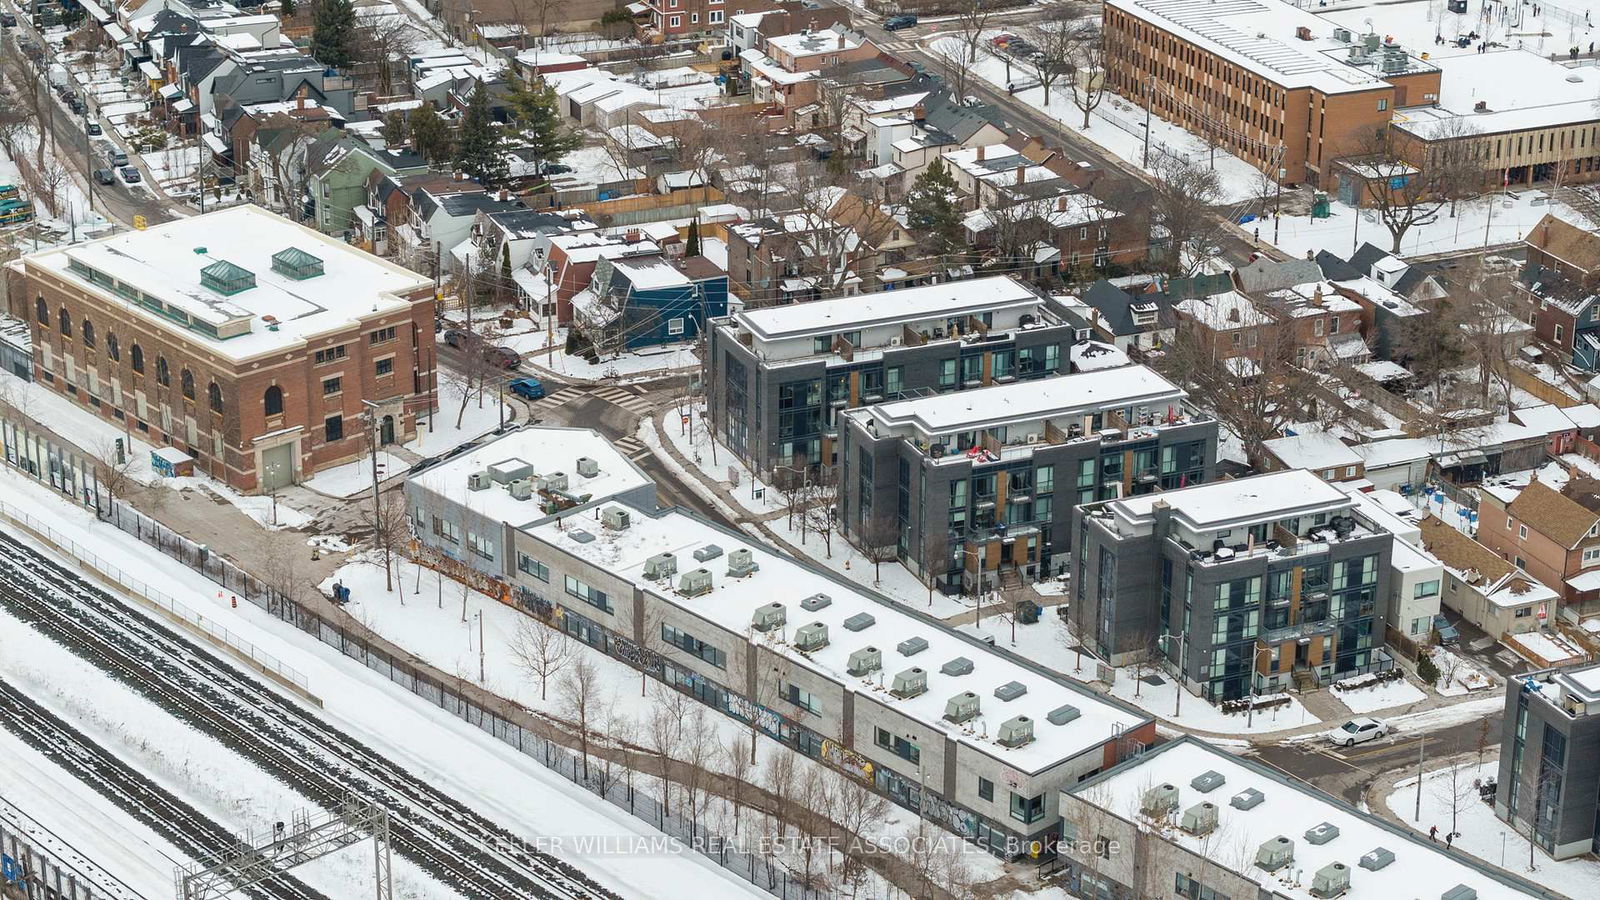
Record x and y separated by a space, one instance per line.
1278 86
964 487
1549 778
1189 819
786 75
781 375
1258 583
249 342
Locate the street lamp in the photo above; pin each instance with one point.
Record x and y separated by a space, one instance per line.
1183 640
1250 717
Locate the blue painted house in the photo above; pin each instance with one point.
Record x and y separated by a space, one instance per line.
637 302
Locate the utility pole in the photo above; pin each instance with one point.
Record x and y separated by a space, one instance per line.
377 503
1146 163
1421 742
1177 703
88 156
1277 201
480 647
550 315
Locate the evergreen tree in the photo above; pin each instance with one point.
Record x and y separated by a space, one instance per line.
931 209
504 283
430 136
538 123
692 245
395 131
333 33
478 148
285 8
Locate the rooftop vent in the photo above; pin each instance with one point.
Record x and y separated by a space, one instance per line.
1207 782
912 646
1249 798
812 636
769 617
1377 859
741 563
859 622
695 582
226 278
961 707
480 481
1159 800
1321 834
662 565
555 481
1061 715
1459 892
1015 732
1200 818
1331 880
816 602
581 536
910 683
296 264
1010 691
1275 854
508 470
867 659
615 518
707 553
521 489
958 666
587 467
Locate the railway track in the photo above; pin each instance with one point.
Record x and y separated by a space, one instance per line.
438 833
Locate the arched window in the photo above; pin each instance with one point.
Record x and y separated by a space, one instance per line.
112 350
273 401
66 322
43 310
214 393
138 359
163 372
186 381
88 333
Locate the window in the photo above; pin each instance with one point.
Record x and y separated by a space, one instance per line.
271 401
802 698
186 383
381 336
333 429
330 354
481 545
42 310
1425 589
715 16
894 380
985 788
1522 532
332 385
897 745
1524 612
691 645
947 373
1027 809
112 350
1591 556
1317 327
163 372
88 333
1383 105
66 322
531 567
587 594
384 366
446 530
694 18
214 394
675 325
138 359
674 21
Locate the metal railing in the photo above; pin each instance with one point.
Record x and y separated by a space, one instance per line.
46 865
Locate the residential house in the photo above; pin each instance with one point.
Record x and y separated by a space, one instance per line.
338 166
571 261
1552 421
1554 535
749 30
785 77
1319 453
1491 593
1560 279
1135 322
636 302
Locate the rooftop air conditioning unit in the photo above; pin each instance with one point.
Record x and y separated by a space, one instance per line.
707 553
859 622
1200 818
810 637
587 467
1061 715
910 683
521 489
662 565
1010 691
1318 835
912 646
867 659
816 602
1331 880
615 518
1459 892
1376 859
961 707
1249 798
1275 854
741 563
1159 800
1015 732
695 582
768 617
480 481
896 341
555 481
508 470
1207 782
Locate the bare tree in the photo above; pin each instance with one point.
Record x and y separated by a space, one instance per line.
664 735
1255 387
1456 164
972 17
380 43
388 524
1183 197
541 651
1455 789
13 123
955 69
582 696
779 781
1085 47
1054 40
700 749
113 467
1404 195
739 766
52 179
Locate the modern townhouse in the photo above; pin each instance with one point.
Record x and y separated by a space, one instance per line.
1549 778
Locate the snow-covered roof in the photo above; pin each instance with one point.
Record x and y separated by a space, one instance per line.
1290 807
732 603
1520 88
951 299
1238 502
1092 356
1224 312
1317 450
1381 370
162 265
815 43
1544 417
1584 415
1397 452
1029 401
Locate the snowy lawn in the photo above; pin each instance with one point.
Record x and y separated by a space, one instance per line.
463 416
352 478
1385 695
1459 675
1496 219
1546 648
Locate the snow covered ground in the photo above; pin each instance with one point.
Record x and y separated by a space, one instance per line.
1495 219
463 416
352 478
1382 696
533 343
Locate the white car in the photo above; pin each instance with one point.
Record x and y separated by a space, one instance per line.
1357 731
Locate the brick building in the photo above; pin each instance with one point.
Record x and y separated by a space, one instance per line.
249 342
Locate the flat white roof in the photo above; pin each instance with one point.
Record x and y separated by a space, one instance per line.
951 299
1317 450
1289 809
1241 501
732 604
164 262
546 450
812 43
1519 88
1399 451
1023 401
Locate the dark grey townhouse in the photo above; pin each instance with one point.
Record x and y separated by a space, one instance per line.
1550 759
780 376
1245 585
976 488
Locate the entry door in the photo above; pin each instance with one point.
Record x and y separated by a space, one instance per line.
386 433
277 467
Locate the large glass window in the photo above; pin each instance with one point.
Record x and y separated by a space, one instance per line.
690 644
1027 809
899 746
593 597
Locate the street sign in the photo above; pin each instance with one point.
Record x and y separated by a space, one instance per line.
10 870
139 223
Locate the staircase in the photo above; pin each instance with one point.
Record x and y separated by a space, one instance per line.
1304 680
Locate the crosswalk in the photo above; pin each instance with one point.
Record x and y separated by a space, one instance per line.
631 447
899 46
553 399
628 400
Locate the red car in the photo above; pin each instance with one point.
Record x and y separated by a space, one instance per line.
1000 40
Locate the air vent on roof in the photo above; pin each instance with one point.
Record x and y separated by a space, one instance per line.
816 602
741 563
296 264
555 481
480 481
912 646
662 565
615 518
910 683
226 278
708 552
1015 732
1377 859
867 659
581 536
859 622
508 470
812 636
1010 691
695 582
1331 880
1207 782
587 467
1249 798
1275 854
958 666
1200 818
1459 892
961 707
1321 834
1159 800
769 617
1061 715
521 489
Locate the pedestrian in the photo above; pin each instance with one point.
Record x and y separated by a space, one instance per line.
1449 839
1433 834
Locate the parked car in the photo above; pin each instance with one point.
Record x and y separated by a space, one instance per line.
116 157
458 338
76 104
104 176
93 128
502 357
8 20
557 169
1000 40
528 388
1448 634
1358 731
895 23
130 174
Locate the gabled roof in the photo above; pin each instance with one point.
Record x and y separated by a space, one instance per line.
1269 275
1116 308
1553 514
1336 269
960 122
1368 256
1575 246
1460 552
